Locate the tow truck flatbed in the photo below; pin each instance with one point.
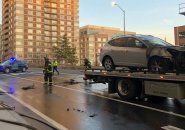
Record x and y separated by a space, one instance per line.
131 84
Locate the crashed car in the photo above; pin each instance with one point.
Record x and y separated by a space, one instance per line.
142 51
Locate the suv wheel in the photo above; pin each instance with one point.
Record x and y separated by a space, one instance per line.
108 64
7 70
158 64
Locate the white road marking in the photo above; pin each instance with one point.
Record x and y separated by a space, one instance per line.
125 102
54 123
169 127
39 73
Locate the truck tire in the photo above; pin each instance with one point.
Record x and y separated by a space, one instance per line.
126 88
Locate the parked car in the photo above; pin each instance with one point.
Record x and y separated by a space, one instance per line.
13 65
142 51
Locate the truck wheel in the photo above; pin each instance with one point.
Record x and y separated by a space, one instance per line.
126 88
7 70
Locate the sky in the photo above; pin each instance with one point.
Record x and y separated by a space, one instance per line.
151 17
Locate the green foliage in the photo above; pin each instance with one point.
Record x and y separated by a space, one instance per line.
64 52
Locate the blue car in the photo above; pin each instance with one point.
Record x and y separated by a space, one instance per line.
13 66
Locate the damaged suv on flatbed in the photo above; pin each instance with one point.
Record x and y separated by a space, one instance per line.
143 51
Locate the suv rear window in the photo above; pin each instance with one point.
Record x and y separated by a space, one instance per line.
119 42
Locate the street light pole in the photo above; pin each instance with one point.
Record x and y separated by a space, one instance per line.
115 4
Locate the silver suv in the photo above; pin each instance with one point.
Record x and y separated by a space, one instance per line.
142 51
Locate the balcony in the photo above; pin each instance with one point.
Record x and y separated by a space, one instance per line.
182 9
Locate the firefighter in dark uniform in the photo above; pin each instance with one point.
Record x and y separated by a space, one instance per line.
48 71
87 64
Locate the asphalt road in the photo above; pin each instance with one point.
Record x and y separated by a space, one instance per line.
81 106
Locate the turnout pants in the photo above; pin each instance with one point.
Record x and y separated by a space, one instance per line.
48 79
55 69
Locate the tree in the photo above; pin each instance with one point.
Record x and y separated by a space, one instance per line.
64 52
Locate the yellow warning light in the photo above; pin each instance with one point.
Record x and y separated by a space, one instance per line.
162 77
104 73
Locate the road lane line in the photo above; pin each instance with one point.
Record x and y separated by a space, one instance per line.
54 123
169 127
125 102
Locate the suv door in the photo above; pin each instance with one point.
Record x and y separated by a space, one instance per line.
14 66
117 50
20 65
135 54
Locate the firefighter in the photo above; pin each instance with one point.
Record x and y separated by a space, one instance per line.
47 72
55 64
87 64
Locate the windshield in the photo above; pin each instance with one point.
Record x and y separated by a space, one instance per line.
154 41
6 62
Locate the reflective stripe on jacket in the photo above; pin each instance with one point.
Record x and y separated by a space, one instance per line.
55 63
48 68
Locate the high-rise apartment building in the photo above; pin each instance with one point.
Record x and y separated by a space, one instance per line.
180 30
179 35
92 39
30 28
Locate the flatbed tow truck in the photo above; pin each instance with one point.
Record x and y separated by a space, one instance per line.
131 84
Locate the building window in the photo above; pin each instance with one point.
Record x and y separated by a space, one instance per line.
29 1
54 28
30 24
19 43
181 35
19 49
38 19
30 6
54 22
30 31
30 37
19 30
30 49
53 16
69 28
38 25
68 17
38 31
53 5
62 22
19 12
38 50
38 13
19 5
68 23
38 7
62 28
30 43
19 36
104 39
53 11
30 12
46 27
61 5
30 18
